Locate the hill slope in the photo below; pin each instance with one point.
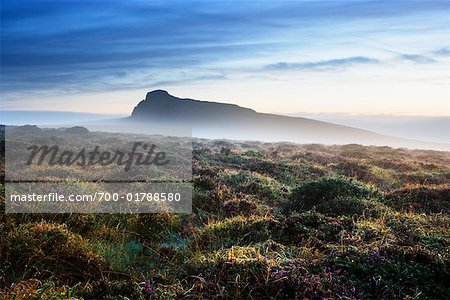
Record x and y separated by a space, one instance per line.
220 120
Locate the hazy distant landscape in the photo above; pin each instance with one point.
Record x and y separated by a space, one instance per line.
221 120
21 117
432 129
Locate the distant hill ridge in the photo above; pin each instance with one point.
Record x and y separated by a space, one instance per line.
220 120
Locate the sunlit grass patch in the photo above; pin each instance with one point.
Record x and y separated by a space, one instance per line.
239 230
256 184
386 178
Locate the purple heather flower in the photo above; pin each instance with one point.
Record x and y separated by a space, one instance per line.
378 255
281 273
148 287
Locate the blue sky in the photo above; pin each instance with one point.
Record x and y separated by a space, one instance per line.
357 57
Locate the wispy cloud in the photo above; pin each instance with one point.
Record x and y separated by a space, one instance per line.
343 63
332 64
417 58
442 52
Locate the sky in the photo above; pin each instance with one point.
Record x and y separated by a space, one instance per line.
350 57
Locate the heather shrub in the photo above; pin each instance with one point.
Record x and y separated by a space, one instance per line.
310 226
50 252
314 193
349 206
420 199
256 184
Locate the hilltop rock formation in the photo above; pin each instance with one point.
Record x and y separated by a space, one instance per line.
160 105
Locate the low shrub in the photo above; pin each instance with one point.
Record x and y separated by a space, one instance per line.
256 184
349 206
307 227
397 273
314 193
420 199
48 251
